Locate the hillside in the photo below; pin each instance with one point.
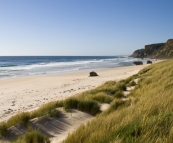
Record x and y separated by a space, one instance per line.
146 116
159 50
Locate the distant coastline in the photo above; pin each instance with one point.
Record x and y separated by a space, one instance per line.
155 51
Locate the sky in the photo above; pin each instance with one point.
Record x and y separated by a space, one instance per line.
82 27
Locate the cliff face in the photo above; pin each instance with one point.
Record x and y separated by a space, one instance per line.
167 51
160 50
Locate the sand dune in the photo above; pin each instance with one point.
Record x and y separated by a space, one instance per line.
56 128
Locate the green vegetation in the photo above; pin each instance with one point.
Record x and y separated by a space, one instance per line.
3 129
132 83
146 117
89 106
118 94
48 109
19 118
102 97
32 137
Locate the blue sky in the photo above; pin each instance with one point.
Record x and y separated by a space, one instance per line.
82 27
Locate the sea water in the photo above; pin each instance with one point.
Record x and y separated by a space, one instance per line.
17 66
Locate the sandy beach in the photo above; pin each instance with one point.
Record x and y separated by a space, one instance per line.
29 93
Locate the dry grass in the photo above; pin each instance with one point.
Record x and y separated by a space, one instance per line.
146 118
32 136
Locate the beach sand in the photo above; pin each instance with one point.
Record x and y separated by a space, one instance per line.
29 93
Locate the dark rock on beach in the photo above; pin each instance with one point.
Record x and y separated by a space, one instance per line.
93 73
149 62
138 63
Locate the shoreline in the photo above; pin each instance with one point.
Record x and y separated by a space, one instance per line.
29 93
44 72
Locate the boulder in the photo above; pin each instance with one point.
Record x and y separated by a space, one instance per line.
149 62
138 63
93 73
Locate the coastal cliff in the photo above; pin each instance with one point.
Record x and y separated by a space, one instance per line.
159 50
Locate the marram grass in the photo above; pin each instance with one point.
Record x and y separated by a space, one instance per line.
147 118
32 136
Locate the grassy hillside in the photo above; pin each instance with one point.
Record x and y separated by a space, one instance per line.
146 118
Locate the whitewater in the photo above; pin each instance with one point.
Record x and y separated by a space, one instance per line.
19 66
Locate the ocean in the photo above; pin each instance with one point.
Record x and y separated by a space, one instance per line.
18 66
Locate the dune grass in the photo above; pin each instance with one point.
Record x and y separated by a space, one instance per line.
19 118
147 117
132 83
88 106
3 129
48 109
118 94
102 97
32 136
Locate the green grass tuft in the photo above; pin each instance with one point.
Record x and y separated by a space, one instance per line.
3 129
118 94
48 109
22 118
88 106
32 137
132 83
102 97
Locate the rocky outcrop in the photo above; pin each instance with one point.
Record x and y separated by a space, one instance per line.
138 63
167 51
93 73
149 62
149 52
160 50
